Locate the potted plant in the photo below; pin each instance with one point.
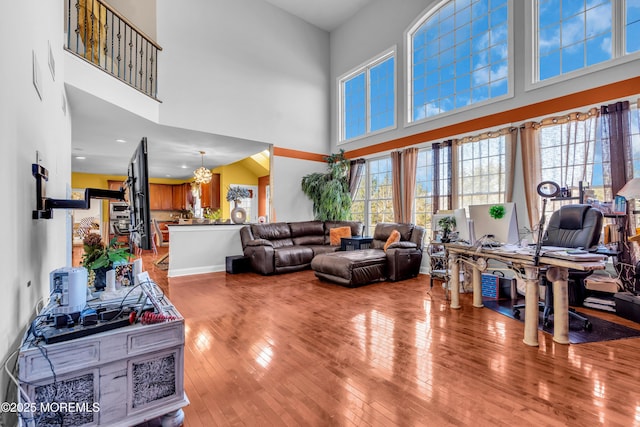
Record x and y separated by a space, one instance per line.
329 191
497 211
447 224
99 258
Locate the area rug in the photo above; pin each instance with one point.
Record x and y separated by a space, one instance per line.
602 330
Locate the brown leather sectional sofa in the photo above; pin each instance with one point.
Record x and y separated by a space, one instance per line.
283 247
401 260
291 246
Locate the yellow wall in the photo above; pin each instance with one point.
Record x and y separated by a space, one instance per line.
90 180
235 173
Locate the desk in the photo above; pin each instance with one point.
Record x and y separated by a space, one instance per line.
557 273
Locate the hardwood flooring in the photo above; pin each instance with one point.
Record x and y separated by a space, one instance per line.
292 350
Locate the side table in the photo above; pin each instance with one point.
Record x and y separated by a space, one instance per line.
355 243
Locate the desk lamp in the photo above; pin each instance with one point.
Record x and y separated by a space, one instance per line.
546 190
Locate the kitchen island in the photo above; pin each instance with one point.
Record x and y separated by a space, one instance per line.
201 248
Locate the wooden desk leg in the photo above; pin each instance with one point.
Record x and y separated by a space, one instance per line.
454 281
531 306
558 277
477 287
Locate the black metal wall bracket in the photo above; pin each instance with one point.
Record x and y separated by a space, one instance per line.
45 205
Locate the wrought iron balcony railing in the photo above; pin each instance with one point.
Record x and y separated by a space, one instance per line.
102 36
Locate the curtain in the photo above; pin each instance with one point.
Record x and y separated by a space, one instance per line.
530 145
615 136
396 184
511 138
442 182
616 145
356 169
409 165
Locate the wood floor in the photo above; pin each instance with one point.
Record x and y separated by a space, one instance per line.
292 350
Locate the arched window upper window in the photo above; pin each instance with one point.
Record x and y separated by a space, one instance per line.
458 55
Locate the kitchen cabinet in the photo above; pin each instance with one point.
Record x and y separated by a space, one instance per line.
210 193
160 197
182 197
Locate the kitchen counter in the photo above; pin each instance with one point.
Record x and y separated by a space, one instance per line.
202 248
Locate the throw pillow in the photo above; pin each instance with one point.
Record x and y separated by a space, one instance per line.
335 234
394 237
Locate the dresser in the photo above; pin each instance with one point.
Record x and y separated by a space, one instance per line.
120 377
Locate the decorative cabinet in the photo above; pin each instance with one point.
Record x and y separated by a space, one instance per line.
120 377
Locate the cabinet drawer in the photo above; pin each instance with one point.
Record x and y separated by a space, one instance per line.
34 365
156 338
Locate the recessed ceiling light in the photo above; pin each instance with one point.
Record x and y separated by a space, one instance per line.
80 157
121 140
184 166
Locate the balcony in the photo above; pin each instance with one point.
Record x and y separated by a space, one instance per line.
101 36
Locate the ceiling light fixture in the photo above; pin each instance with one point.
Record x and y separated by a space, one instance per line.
202 174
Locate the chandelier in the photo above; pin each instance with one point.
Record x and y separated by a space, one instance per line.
202 174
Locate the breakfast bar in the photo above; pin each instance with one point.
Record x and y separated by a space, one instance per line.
201 248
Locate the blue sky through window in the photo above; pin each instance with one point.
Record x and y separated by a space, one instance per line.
460 56
573 34
369 99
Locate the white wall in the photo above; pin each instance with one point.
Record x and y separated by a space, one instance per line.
32 248
289 202
244 69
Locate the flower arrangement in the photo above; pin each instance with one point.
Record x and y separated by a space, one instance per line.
97 255
237 193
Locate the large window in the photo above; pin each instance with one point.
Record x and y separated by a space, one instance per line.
572 35
482 171
373 201
458 56
570 153
433 184
367 98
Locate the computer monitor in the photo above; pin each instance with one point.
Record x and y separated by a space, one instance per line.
504 230
138 198
462 223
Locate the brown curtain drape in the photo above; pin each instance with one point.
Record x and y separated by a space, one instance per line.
615 136
409 165
356 169
442 181
396 184
511 138
530 145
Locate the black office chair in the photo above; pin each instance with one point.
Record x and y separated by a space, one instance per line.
571 226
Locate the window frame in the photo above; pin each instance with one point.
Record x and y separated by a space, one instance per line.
618 35
408 51
366 68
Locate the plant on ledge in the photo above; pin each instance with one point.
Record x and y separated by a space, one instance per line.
329 191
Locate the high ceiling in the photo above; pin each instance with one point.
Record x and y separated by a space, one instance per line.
97 126
325 14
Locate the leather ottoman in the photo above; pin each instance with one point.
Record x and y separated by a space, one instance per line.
351 268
